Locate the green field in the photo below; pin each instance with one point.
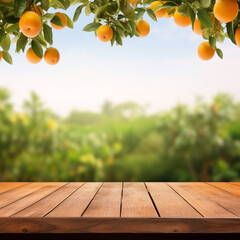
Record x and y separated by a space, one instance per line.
121 143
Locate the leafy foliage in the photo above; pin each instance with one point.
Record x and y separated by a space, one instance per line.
121 143
121 15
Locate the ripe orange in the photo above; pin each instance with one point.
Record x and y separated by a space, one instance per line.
37 9
63 19
105 33
197 27
6 1
237 36
0 55
134 1
161 12
32 57
205 51
30 24
51 56
142 27
181 20
225 10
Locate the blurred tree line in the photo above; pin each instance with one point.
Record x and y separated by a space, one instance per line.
121 143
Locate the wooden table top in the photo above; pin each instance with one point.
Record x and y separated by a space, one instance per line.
96 207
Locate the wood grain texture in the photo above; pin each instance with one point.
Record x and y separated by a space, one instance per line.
4 187
30 199
222 198
75 205
200 202
45 205
18 193
136 201
120 208
169 203
119 225
231 188
107 202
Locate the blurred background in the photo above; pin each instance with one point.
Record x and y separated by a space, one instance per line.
121 142
147 111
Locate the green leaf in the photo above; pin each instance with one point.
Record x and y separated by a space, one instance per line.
69 22
133 26
169 5
6 43
220 36
47 31
212 42
19 7
192 15
21 43
92 27
219 53
183 9
12 28
77 13
88 9
37 48
57 20
230 31
7 57
205 3
140 13
204 18
114 37
48 16
118 39
45 4
151 14
2 35
126 27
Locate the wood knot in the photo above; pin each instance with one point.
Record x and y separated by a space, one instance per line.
25 230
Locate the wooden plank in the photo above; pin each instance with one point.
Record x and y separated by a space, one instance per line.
235 183
30 199
231 188
44 206
119 225
4 186
18 193
107 202
222 198
75 205
169 203
136 201
207 207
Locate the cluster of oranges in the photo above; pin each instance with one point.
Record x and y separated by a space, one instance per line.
224 11
31 25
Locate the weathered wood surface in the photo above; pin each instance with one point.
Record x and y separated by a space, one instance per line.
119 208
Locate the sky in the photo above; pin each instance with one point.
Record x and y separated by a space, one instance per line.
160 70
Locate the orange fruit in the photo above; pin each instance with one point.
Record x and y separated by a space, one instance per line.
6 1
37 9
197 27
30 24
161 12
225 10
237 36
142 27
32 57
0 55
205 51
134 1
181 20
63 19
51 56
105 33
